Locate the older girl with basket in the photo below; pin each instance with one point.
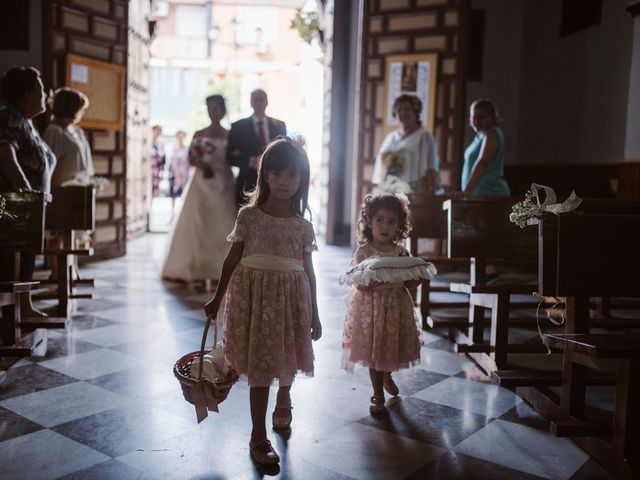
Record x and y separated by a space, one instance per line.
271 312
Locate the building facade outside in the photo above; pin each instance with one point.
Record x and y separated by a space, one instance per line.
201 47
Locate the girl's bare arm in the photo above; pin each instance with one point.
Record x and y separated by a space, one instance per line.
230 263
316 326
10 167
412 284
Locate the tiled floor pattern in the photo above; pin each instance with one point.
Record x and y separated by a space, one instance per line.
102 402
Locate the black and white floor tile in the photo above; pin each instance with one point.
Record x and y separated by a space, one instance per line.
102 403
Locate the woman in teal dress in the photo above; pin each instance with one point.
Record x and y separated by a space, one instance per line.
483 169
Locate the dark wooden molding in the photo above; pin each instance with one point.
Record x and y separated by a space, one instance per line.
577 15
475 46
14 26
634 9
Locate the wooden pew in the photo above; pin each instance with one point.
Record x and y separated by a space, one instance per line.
10 329
73 208
588 181
479 228
601 206
429 222
600 306
24 233
582 256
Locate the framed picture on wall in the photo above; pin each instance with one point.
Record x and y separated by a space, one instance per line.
104 84
413 74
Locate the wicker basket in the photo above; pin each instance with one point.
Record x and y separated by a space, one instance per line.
182 369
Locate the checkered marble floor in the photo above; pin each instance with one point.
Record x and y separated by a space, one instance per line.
102 403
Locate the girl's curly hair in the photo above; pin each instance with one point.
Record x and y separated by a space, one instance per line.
373 202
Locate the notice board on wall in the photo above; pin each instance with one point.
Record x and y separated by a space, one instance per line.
104 84
414 74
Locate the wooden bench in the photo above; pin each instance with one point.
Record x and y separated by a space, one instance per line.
72 208
479 228
601 305
605 305
10 329
24 233
429 222
581 256
588 180
616 444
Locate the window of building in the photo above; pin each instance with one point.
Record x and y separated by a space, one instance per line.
257 26
191 21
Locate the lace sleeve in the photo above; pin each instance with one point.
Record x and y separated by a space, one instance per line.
309 243
239 231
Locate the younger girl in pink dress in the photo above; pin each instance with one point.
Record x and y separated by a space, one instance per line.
271 314
381 329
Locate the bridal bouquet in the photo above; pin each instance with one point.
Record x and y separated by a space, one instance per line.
199 150
393 184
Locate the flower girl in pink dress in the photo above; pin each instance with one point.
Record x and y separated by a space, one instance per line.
381 329
271 313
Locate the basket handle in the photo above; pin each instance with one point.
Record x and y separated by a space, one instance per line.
204 340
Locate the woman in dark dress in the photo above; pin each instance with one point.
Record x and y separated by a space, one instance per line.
26 162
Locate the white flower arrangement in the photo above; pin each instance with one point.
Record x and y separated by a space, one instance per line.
531 207
4 213
528 208
393 184
83 179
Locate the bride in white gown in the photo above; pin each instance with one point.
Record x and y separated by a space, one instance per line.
197 243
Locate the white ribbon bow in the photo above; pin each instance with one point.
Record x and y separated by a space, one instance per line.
550 203
204 396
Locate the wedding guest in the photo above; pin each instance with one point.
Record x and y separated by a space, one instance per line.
158 160
26 162
178 169
483 169
247 139
408 156
69 143
66 139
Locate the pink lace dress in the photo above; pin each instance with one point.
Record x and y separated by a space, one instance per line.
268 313
381 329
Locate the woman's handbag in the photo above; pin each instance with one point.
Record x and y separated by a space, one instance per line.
210 387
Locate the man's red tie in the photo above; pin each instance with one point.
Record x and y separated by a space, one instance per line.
262 138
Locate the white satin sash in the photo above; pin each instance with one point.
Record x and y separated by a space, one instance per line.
264 261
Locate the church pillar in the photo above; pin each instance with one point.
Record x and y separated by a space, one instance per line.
632 142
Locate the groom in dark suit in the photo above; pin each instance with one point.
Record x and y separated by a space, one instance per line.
247 139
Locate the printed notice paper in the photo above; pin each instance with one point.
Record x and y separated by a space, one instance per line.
79 73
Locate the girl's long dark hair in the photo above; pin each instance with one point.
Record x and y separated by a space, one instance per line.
283 154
